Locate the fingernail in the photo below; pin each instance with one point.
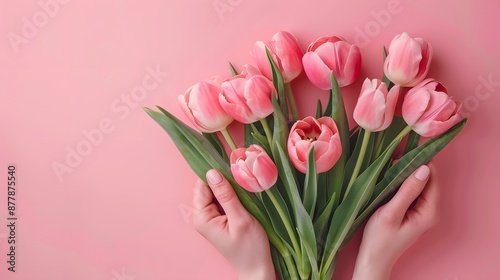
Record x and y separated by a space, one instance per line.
422 173
213 177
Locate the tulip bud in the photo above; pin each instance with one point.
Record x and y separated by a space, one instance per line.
375 108
286 53
201 105
429 110
247 98
408 60
323 135
253 169
332 54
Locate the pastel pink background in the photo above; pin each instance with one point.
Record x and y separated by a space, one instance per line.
123 212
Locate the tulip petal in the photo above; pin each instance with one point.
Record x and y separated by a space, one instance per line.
265 171
402 63
424 63
260 56
414 105
244 179
258 92
328 158
317 71
237 111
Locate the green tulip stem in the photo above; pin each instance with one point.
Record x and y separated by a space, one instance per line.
288 227
402 134
291 101
229 139
359 162
289 262
378 146
267 130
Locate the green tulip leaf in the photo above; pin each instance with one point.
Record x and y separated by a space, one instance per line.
321 222
249 137
355 156
319 110
412 142
233 70
403 168
348 210
336 111
280 128
311 256
279 84
279 264
215 141
386 80
274 214
397 125
302 219
310 184
202 156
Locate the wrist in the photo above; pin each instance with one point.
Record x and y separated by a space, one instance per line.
265 272
372 269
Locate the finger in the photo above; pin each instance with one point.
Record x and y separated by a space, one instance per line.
225 195
412 187
204 208
202 196
428 203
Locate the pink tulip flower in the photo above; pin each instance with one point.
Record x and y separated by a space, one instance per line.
253 169
201 105
247 98
429 110
286 53
375 108
408 60
323 135
329 54
249 71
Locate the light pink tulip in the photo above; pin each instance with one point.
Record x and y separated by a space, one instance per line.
429 110
321 133
247 98
253 169
408 60
201 105
286 53
375 108
249 71
329 54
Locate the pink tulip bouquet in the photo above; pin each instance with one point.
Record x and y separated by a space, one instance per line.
311 181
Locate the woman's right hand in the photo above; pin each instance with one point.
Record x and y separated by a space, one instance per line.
396 225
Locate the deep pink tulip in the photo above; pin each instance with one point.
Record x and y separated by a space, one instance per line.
321 133
375 108
286 53
408 60
429 110
329 54
253 169
201 105
247 98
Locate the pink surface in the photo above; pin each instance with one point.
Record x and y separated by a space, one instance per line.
122 210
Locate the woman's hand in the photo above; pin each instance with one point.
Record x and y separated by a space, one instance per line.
235 233
396 225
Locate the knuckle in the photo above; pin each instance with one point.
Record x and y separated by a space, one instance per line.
223 194
411 191
242 225
387 216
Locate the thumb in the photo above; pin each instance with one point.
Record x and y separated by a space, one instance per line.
410 189
225 195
